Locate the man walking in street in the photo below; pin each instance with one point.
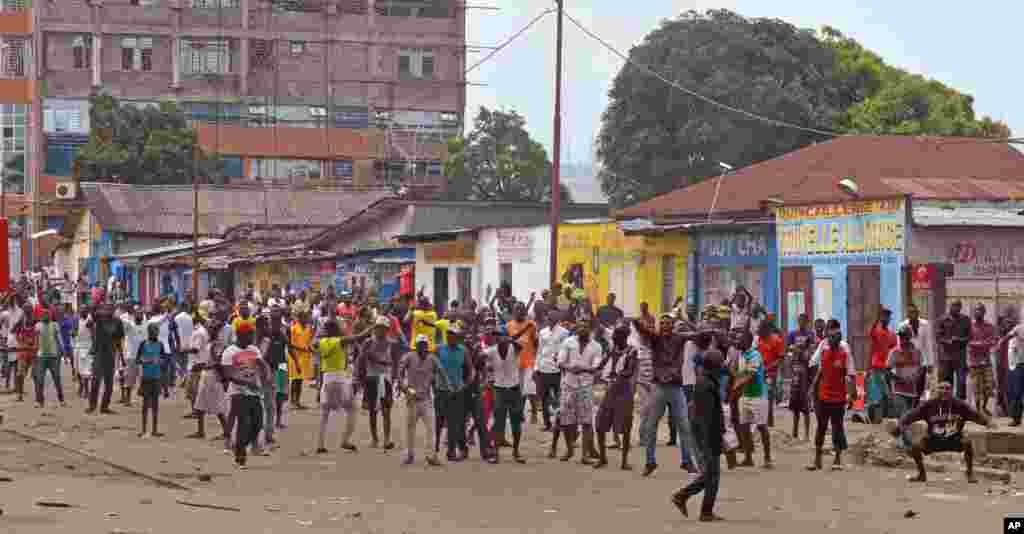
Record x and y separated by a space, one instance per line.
416 372
883 340
708 430
108 338
668 357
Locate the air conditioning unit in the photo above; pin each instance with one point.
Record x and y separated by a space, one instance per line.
318 112
67 190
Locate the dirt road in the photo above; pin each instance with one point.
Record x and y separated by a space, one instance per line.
294 490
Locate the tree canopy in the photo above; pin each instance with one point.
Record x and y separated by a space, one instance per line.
498 160
655 138
143 145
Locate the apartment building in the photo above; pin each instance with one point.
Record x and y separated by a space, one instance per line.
344 91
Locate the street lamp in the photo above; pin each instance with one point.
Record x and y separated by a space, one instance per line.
849 186
726 168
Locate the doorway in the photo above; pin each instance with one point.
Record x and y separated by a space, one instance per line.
863 298
797 295
440 289
668 282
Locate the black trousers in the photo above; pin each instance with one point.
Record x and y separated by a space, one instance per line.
475 409
249 413
830 413
102 371
549 388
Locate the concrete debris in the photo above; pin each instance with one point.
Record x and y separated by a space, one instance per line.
208 506
910 514
945 497
205 478
146 501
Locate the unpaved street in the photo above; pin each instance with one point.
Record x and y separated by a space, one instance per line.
296 491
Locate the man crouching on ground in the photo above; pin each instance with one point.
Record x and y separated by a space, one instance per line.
945 417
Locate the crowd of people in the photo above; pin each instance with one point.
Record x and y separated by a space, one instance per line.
474 373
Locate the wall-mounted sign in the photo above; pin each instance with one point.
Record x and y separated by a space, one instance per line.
922 276
515 246
740 248
458 251
873 236
845 209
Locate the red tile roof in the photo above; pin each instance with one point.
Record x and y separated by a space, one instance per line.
883 167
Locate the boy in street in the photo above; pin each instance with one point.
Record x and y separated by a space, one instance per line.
151 358
708 430
753 402
616 411
50 354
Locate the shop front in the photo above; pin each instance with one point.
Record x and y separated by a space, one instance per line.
841 261
448 270
636 268
727 260
972 265
376 272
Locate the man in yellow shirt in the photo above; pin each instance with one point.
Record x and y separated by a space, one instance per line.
424 323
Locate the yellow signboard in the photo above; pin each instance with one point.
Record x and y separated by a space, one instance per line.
845 209
841 237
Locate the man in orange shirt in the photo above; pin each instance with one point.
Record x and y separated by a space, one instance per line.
524 331
773 349
883 340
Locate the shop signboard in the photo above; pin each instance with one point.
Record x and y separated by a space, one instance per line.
856 233
515 246
457 251
738 248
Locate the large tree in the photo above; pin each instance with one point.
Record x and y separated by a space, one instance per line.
655 138
498 160
143 145
894 101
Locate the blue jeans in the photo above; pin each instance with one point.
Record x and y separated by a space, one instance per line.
673 396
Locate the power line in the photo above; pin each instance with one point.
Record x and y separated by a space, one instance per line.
695 94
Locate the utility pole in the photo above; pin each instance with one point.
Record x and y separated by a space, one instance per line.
556 162
195 232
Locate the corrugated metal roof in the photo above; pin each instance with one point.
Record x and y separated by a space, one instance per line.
437 218
169 248
883 166
985 214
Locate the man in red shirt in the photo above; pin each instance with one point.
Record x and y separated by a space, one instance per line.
773 349
836 372
883 340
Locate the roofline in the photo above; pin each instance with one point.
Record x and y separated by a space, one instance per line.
327 232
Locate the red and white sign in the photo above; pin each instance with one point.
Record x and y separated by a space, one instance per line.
922 276
515 246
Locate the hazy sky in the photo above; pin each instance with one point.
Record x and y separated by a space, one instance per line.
970 49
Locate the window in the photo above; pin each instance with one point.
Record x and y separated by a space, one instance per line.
233 167
13 118
63 120
261 53
351 118
413 8
61 151
81 49
144 3
213 4
297 47
14 5
416 63
285 168
206 56
15 57
297 6
137 53
343 168
505 276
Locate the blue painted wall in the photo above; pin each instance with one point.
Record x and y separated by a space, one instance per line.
831 244
739 248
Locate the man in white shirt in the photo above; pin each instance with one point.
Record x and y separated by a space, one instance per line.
549 376
134 335
578 359
924 340
185 359
503 367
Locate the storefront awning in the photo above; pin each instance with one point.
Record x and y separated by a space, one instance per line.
393 260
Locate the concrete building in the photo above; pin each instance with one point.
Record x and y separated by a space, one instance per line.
348 91
936 205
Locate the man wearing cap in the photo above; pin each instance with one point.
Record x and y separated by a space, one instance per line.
458 369
377 360
417 371
905 361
